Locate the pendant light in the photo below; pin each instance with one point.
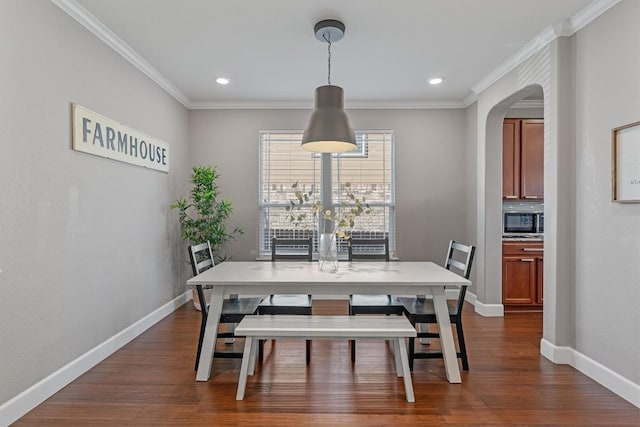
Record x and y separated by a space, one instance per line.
329 130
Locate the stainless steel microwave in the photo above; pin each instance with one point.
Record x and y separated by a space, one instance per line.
523 223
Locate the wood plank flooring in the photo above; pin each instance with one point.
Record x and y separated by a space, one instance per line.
151 382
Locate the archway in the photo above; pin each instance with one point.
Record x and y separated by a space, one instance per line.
548 72
495 203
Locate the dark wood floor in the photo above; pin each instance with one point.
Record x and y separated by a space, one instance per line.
151 381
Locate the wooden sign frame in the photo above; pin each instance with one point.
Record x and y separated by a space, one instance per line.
625 143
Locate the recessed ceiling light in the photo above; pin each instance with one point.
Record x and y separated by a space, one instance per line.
436 80
222 81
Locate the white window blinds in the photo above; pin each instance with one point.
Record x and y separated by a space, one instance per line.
368 172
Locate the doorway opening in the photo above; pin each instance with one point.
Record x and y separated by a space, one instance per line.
523 205
527 272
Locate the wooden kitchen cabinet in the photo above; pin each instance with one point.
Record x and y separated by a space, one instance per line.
523 159
522 275
539 280
532 159
511 159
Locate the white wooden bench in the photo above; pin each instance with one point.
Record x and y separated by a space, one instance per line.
392 328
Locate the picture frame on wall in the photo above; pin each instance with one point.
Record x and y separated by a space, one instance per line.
625 141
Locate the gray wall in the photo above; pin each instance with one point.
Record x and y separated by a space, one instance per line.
607 95
88 246
591 268
430 173
471 194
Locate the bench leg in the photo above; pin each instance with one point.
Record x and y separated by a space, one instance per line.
244 368
396 356
406 373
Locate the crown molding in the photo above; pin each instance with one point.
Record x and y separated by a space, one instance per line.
470 99
591 12
532 47
308 105
94 25
529 103
91 23
563 29
251 105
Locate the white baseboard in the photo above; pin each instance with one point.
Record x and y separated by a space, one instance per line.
615 382
484 310
24 402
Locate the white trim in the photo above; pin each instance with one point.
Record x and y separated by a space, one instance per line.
557 354
615 382
565 28
470 99
93 24
485 310
529 103
489 310
529 49
591 12
562 29
24 402
308 105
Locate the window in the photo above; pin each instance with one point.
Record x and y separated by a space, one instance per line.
368 170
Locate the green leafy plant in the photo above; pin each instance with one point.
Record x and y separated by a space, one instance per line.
203 215
333 222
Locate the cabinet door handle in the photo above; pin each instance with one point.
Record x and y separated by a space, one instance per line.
533 249
530 197
510 197
526 259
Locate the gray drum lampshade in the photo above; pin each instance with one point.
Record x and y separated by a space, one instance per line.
329 130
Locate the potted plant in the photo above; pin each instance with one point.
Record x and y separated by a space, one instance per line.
203 215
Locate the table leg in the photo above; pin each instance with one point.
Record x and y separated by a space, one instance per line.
231 327
446 336
210 334
254 356
424 327
396 356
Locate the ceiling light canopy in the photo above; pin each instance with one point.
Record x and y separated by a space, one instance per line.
329 130
222 81
435 80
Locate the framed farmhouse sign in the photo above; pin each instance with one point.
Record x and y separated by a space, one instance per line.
625 142
101 136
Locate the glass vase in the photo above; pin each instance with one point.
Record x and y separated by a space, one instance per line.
328 252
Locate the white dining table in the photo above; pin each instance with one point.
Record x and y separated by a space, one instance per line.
374 278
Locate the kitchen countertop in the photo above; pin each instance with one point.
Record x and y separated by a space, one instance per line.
523 239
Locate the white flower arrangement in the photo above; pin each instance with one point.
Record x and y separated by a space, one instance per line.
342 222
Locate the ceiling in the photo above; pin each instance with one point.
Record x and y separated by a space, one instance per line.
269 52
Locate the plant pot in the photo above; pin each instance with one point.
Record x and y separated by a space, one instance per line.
328 252
196 300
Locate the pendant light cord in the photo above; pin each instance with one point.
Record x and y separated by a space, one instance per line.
328 40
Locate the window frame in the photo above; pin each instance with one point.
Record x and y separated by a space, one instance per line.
320 169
